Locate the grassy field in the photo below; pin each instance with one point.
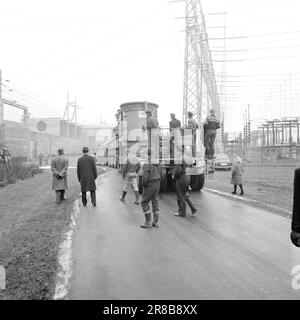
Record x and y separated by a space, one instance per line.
31 229
32 226
271 185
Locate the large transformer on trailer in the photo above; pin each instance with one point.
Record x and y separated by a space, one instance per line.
130 134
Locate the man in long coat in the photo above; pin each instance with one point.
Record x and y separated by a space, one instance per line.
59 167
87 174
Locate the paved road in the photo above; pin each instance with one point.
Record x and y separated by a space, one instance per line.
228 250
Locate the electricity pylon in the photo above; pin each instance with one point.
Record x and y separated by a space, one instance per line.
200 89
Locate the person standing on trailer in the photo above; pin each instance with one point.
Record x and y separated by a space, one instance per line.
151 124
183 179
192 124
87 174
130 170
175 126
210 132
59 168
152 174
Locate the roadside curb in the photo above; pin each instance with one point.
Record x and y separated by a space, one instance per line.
65 261
278 210
65 258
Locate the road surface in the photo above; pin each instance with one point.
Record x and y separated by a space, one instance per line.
228 250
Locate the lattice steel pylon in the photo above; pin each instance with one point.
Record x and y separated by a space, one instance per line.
200 89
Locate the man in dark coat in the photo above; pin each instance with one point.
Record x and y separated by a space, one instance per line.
87 174
295 234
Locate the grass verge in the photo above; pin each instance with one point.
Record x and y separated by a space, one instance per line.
31 229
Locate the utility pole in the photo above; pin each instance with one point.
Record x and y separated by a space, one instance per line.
198 66
75 107
290 93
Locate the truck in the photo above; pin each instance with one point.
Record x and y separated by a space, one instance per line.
129 134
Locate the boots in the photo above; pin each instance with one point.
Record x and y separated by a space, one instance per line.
155 220
242 190
136 197
234 189
123 196
147 223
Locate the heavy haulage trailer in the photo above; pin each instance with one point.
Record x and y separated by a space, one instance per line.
130 134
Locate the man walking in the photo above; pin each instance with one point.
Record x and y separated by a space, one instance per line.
152 174
130 171
87 174
210 132
183 180
59 167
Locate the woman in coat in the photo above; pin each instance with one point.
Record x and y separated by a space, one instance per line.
237 176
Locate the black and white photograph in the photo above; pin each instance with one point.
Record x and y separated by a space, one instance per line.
149 151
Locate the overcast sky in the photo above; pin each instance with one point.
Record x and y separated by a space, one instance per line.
109 52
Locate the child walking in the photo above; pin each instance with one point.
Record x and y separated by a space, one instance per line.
237 176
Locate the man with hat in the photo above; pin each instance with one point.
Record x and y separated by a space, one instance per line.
87 174
59 167
210 132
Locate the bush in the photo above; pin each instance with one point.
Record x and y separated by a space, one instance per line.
11 172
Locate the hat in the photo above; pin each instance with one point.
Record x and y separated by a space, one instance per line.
85 149
190 114
60 151
148 111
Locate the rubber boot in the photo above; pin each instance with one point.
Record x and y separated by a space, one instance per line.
136 197
147 223
234 189
155 220
242 190
123 196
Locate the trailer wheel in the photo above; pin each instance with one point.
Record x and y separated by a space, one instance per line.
197 182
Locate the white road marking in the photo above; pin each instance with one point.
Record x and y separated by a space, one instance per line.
247 200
